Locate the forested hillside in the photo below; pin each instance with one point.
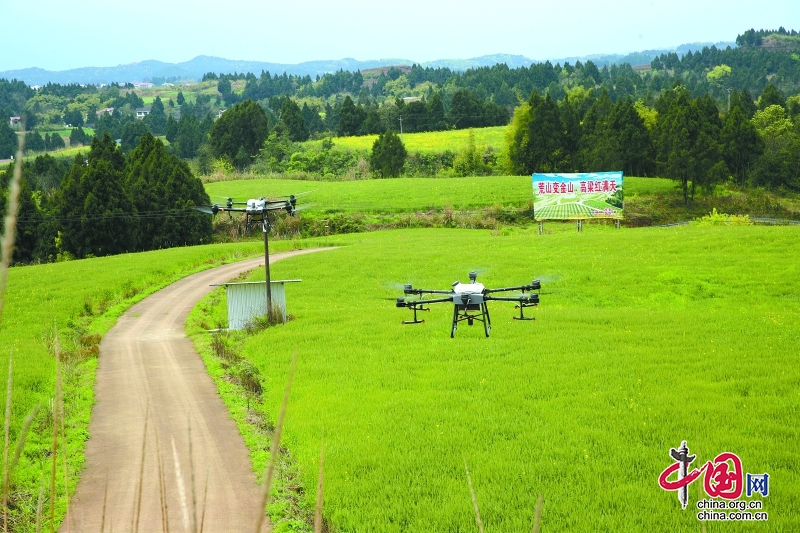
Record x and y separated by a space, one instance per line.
703 119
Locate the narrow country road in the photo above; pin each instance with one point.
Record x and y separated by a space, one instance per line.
148 365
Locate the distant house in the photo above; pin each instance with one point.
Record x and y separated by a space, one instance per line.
409 99
15 121
142 112
142 85
107 111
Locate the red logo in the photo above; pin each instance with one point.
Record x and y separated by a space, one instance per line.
723 477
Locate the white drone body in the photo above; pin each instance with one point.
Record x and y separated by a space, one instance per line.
474 292
256 207
469 301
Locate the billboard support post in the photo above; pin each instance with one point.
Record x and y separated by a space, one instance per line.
541 227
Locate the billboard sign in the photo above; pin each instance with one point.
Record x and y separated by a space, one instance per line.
577 196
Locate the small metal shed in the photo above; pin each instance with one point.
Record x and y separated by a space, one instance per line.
248 299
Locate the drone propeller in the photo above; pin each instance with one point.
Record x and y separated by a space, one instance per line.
208 209
297 195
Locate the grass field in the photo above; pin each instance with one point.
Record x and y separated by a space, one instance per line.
644 338
81 298
407 194
431 141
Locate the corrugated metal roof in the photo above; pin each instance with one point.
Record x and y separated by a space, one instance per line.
247 299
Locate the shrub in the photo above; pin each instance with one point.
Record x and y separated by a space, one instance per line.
722 219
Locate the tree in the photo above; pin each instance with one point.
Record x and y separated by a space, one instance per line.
771 96
242 126
635 147
688 143
8 141
537 141
34 142
466 110
388 155
171 130
94 206
161 183
188 137
292 118
469 162
744 101
78 137
131 134
74 118
181 99
29 219
314 122
54 142
741 144
436 120
351 117
156 120
780 163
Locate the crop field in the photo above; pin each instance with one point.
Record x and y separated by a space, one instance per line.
430 141
644 338
406 194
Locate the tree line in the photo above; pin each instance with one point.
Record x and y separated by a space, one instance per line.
680 136
106 202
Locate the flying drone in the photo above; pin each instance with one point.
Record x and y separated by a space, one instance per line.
255 210
469 301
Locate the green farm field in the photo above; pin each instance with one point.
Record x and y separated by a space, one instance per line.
406 194
430 141
644 338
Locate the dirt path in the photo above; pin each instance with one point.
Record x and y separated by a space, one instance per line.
148 364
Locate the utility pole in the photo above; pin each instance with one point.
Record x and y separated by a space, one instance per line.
729 99
265 229
401 126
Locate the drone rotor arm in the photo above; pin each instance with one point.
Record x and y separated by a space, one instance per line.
432 301
420 304
534 286
524 300
426 291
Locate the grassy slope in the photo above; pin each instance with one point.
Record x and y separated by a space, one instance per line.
408 194
645 337
430 142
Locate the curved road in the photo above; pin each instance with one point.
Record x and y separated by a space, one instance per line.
148 365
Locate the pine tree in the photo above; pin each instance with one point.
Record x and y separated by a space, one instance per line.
98 216
436 118
388 155
292 118
351 118
741 144
161 183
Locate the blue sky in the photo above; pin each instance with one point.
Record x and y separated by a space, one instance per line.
58 35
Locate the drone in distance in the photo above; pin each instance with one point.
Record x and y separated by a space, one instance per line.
469 301
255 210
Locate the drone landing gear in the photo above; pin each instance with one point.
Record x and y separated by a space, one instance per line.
462 313
416 320
521 314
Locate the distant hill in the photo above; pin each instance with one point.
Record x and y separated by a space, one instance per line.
195 68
